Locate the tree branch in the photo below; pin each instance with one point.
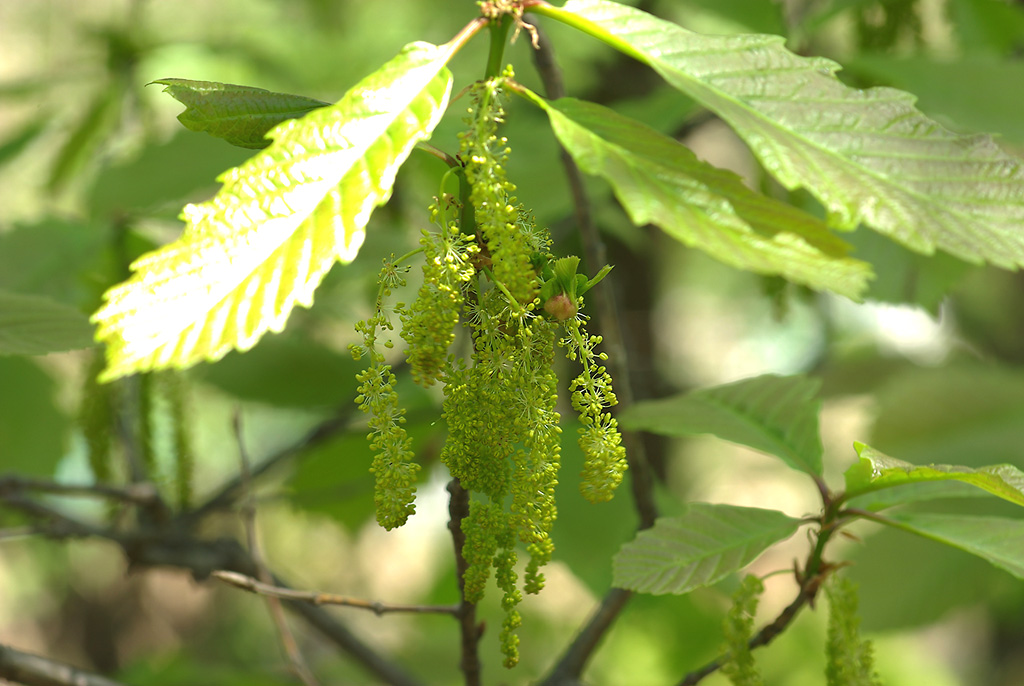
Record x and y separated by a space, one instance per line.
35 670
247 583
458 510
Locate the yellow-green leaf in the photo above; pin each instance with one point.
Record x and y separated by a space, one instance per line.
281 220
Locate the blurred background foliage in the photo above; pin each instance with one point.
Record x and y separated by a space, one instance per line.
95 169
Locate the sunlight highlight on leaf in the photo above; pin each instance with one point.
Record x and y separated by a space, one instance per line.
281 220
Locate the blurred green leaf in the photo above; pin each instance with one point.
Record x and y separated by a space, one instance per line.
984 26
875 471
86 137
157 178
33 325
997 539
777 415
903 276
54 258
698 548
32 430
20 139
287 370
241 115
588 556
970 414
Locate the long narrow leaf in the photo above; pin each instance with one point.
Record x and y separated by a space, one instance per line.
868 155
659 180
698 548
875 471
241 115
996 539
263 244
777 415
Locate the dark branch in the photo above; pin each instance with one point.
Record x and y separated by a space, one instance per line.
35 670
470 631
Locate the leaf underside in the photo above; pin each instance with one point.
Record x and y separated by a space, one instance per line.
281 220
660 181
777 415
869 156
698 548
876 471
241 115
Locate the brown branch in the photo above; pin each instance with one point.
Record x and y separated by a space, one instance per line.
470 631
35 670
247 583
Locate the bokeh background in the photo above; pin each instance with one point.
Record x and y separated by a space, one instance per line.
94 170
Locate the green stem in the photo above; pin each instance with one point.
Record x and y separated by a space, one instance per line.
499 35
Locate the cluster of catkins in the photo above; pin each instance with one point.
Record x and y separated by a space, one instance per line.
489 266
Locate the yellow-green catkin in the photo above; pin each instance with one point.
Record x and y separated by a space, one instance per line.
849 659
738 628
604 457
509 247
428 326
393 469
500 407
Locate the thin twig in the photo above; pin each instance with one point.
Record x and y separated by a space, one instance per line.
763 637
247 583
288 643
470 631
36 670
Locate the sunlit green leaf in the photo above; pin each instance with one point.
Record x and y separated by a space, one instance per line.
997 539
282 219
868 155
875 471
33 325
660 181
241 115
777 415
698 548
